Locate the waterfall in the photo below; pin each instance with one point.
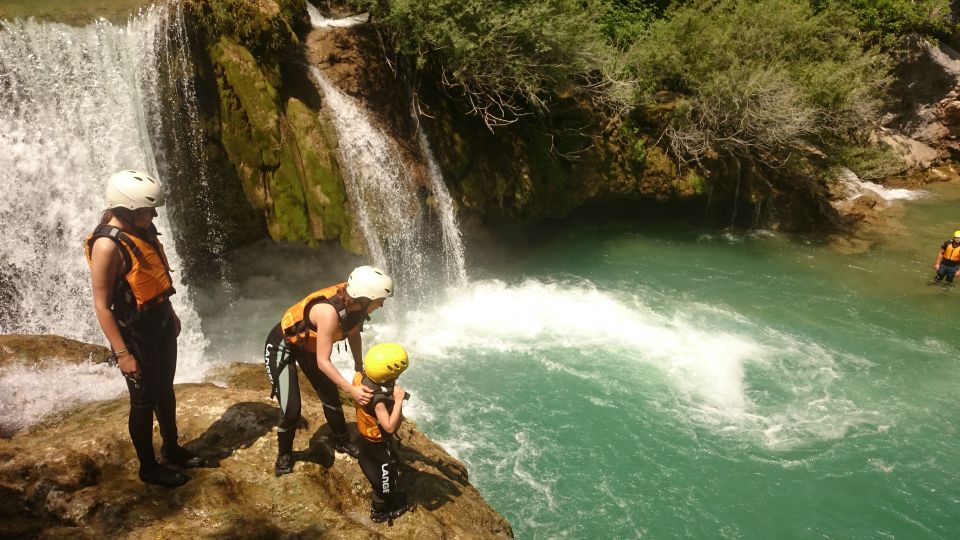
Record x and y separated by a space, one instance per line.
455 262
317 20
391 209
76 105
856 187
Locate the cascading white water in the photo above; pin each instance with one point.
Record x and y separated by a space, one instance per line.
455 262
319 21
857 187
377 178
385 198
75 107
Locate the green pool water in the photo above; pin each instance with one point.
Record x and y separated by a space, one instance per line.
656 380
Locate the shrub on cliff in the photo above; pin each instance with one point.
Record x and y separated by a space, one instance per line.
504 58
759 79
266 28
886 21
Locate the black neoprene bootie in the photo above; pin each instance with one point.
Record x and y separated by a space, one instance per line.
390 512
284 464
180 456
163 476
346 445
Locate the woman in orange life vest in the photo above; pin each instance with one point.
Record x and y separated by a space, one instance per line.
948 259
131 287
304 337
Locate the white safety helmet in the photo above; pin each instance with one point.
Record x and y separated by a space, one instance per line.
132 190
369 282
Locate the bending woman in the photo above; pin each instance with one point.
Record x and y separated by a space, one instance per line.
131 287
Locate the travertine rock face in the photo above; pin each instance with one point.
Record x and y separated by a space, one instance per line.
76 476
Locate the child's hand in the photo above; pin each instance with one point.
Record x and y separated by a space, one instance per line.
398 393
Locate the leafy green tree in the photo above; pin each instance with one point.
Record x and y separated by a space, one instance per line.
505 58
885 21
758 80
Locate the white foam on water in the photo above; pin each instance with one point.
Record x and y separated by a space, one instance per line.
857 187
32 392
319 21
711 358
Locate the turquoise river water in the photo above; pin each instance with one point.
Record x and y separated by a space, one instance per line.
630 379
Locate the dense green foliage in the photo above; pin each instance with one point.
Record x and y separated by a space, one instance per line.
505 58
747 80
885 21
759 78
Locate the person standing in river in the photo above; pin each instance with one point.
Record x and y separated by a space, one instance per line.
131 290
304 337
947 264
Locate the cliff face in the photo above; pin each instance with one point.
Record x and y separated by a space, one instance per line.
75 475
268 120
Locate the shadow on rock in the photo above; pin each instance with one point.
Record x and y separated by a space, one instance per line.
239 427
424 487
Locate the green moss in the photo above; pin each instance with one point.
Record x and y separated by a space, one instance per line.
289 210
257 97
263 26
325 195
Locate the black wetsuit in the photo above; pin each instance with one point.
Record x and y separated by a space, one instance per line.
380 460
281 361
152 339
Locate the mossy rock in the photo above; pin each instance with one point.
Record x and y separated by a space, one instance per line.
328 210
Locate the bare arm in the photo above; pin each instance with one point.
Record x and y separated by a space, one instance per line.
324 316
936 265
391 421
106 265
356 348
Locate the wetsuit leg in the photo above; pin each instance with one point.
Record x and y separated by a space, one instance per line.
946 271
328 394
166 407
281 365
154 347
381 466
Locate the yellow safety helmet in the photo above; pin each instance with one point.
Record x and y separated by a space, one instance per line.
385 362
956 234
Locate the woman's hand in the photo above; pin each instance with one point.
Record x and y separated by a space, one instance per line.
398 393
128 365
361 394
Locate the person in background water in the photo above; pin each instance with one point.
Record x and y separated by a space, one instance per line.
948 259
304 337
378 422
131 290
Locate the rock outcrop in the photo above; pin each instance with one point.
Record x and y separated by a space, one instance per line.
924 124
76 476
32 350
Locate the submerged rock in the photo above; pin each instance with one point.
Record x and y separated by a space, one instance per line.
76 476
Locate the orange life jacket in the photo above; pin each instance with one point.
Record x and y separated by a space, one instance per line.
146 280
298 331
367 423
951 253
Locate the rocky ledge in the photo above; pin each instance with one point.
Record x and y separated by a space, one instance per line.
76 476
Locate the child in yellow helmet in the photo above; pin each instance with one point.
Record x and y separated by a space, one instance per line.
378 422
